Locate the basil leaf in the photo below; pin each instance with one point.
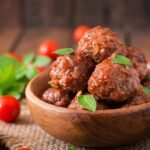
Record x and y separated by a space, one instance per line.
146 90
88 102
1 91
64 51
31 71
42 61
20 71
6 61
120 59
72 148
148 77
28 58
15 94
6 73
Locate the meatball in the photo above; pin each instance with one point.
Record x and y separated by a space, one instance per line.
113 82
99 43
139 61
139 98
57 97
75 105
71 73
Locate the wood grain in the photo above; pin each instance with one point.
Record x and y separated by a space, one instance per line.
10 13
46 13
33 38
141 39
7 38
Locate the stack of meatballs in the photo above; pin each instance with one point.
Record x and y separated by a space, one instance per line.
90 69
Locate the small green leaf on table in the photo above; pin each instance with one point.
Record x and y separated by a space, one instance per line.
88 102
28 58
20 71
42 61
64 51
120 59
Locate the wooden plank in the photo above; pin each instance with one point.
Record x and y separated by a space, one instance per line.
34 37
89 12
141 39
47 12
10 13
7 38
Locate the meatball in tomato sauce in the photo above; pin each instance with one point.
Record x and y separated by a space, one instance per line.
71 73
113 82
99 43
57 96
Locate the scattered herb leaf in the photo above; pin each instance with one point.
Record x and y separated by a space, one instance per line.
64 51
146 90
87 101
28 58
42 61
72 148
20 71
120 59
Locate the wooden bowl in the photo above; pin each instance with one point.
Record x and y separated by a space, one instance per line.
104 128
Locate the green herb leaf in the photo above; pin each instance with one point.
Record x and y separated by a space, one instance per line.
42 61
72 148
20 71
146 90
64 51
87 101
120 59
6 61
148 77
29 58
15 94
1 91
31 71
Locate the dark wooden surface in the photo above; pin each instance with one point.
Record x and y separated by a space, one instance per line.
69 13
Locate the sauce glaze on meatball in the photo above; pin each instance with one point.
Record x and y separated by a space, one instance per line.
99 43
139 61
57 97
71 73
113 82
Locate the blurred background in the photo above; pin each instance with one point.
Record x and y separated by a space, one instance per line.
25 23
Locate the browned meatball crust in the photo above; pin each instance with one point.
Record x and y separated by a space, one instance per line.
113 82
139 98
99 43
75 105
71 73
57 97
139 61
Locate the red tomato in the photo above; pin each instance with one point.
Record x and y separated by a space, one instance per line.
15 55
23 148
47 48
79 32
40 69
9 108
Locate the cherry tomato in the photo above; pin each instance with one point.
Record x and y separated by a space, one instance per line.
9 108
47 48
14 55
79 32
23 148
40 69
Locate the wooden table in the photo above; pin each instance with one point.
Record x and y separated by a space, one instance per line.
23 41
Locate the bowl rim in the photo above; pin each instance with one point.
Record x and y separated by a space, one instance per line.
30 96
